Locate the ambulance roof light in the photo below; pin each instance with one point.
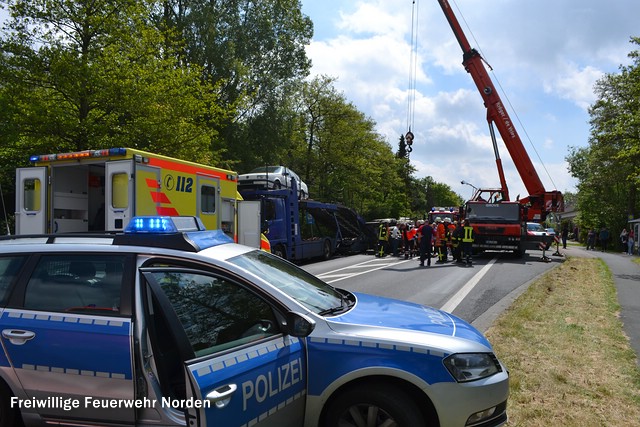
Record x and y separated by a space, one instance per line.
78 155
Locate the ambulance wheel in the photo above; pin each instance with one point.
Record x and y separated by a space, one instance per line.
9 417
373 406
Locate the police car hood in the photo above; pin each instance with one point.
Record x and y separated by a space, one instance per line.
385 317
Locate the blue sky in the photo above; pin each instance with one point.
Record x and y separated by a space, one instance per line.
545 54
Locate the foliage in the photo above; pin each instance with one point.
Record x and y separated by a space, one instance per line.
219 82
96 74
608 169
344 159
254 52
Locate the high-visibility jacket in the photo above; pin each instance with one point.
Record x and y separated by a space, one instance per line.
265 245
382 232
467 235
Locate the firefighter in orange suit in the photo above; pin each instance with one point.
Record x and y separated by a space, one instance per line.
441 240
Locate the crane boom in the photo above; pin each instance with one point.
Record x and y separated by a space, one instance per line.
541 201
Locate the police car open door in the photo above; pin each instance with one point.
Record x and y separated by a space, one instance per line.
220 356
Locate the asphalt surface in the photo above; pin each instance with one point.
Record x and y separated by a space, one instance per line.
626 276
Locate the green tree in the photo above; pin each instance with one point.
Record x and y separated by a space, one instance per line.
346 160
254 52
427 193
608 169
95 74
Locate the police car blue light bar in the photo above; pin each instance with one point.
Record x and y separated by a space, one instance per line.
164 224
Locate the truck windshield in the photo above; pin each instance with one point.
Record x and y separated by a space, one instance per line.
493 211
304 287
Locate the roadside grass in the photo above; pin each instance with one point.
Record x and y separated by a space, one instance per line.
569 360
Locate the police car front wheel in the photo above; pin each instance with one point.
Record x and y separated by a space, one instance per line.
373 407
9 416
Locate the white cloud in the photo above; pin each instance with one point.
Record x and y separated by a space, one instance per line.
575 85
548 54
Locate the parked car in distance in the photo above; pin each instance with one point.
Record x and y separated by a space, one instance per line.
550 231
273 177
536 229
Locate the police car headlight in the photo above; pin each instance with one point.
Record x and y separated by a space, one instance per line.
472 366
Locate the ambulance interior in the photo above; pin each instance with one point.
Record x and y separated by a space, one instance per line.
78 198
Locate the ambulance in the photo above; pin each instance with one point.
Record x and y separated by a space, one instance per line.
101 190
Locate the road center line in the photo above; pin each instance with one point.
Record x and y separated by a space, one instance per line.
464 291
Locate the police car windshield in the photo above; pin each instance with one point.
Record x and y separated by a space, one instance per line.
308 290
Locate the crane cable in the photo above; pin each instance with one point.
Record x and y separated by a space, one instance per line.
505 95
413 66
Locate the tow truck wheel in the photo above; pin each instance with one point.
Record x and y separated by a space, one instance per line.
373 407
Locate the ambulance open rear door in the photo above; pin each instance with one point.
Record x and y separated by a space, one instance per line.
31 200
118 194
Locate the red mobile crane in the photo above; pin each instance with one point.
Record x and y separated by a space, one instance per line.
490 211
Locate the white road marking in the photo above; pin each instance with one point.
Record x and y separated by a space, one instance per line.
368 266
380 263
455 301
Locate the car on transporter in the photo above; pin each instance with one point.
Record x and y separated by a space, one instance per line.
273 177
170 324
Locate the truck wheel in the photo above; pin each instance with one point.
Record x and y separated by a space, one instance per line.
326 250
373 407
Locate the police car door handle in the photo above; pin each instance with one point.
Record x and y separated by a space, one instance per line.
222 395
17 336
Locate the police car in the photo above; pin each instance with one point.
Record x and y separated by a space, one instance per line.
169 324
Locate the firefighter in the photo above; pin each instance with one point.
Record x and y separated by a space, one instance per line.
456 239
383 234
450 228
441 241
467 242
426 235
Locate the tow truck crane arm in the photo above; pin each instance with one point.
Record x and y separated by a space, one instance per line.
541 200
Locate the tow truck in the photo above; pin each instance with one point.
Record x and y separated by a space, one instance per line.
498 222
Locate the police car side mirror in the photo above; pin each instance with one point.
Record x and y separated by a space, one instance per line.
298 325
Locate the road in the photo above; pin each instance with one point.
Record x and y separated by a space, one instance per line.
476 294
